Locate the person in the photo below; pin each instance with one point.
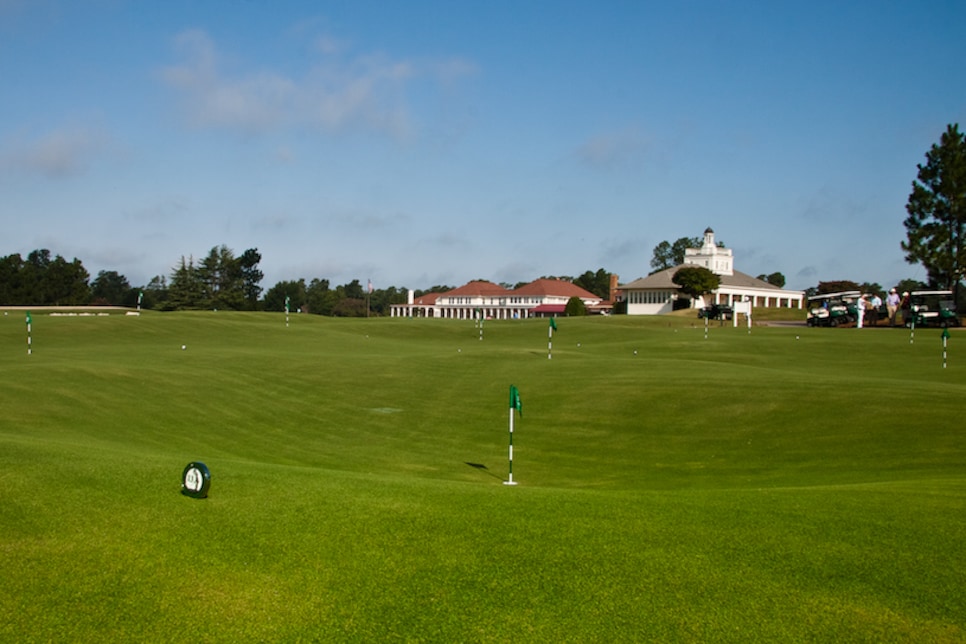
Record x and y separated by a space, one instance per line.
874 305
906 306
860 311
892 305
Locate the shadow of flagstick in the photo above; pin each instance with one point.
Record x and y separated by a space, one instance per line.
480 466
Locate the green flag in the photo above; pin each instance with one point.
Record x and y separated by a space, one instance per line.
29 320
945 332
515 402
553 323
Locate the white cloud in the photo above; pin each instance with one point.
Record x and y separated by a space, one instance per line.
337 92
611 149
56 154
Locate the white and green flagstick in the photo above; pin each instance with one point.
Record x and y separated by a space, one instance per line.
945 337
481 322
550 330
515 403
140 296
286 311
29 347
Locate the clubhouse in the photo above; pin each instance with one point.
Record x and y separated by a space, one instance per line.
540 298
657 293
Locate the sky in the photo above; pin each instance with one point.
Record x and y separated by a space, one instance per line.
425 143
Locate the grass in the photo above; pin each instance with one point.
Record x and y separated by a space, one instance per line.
787 484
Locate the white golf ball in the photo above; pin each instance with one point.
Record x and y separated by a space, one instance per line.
183 347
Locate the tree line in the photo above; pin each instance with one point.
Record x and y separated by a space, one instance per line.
220 280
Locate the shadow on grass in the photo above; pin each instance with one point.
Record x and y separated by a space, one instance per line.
484 468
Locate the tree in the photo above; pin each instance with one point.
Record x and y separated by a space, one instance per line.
776 279
836 286
221 278
251 277
696 280
109 287
575 307
294 290
319 299
597 283
936 225
668 255
155 293
186 289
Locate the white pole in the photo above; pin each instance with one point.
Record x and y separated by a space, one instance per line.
549 343
286 311
29 347
945 337
510 480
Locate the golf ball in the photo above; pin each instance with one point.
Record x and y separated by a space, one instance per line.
183 347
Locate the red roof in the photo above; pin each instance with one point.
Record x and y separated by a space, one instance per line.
479 287
558 288
428 299
549 308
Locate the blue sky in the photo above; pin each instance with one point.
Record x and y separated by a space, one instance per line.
419 143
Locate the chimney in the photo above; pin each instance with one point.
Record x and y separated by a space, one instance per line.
613 287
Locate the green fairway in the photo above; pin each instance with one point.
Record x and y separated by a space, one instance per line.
784 485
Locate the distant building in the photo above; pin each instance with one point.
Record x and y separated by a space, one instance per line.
542 297
657 293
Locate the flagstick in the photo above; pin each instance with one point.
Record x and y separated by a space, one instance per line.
945 337
29 347
510 480
549 343
286 311
514 404
705 327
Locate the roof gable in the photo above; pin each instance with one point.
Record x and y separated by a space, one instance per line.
477 288
665 280
556 288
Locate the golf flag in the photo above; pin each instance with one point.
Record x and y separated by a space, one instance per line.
370 286
29 319
515 402
945 333
29 341
553 323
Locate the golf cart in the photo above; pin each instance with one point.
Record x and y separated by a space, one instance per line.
932 308
833 309
716 312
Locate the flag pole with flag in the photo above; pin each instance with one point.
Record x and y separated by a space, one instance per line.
286 310
140 297
515 403
29 323
368 296
550 330
945 338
